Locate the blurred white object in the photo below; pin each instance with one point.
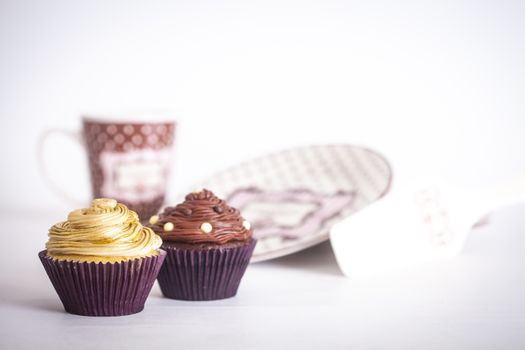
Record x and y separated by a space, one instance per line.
417 224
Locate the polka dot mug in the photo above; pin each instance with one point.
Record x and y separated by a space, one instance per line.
128 160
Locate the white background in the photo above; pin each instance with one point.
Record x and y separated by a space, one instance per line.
437 86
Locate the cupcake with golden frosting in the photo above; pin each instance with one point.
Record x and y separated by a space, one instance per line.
102 261
208 246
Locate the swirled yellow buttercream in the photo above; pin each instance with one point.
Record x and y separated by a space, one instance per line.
106 232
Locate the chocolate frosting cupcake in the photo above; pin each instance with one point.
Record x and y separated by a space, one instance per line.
208 246
201 219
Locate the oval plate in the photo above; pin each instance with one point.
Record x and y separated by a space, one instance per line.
292 198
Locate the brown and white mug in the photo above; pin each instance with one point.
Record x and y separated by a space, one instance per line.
128 160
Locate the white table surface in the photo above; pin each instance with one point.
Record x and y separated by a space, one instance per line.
301 301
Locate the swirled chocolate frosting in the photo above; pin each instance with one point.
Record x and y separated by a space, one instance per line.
201 218
107 231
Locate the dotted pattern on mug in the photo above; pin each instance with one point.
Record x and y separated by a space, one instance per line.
124 137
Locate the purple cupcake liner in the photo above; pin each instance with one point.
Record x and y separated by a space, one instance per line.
204 274
103 289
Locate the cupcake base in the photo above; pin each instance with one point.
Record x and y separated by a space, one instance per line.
103 289
203 273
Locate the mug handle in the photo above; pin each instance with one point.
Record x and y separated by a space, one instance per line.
44 138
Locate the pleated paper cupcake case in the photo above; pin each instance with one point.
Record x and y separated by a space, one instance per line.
204 274
103 289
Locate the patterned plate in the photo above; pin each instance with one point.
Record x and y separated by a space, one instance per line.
292 198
